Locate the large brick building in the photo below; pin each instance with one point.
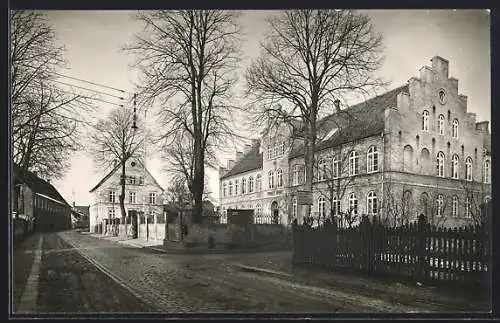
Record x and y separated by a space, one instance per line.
415 149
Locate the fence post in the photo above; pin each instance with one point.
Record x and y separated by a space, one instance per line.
421 251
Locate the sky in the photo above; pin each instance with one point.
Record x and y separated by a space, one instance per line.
93 40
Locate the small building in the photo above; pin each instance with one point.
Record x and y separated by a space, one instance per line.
38 202
143 196
80 216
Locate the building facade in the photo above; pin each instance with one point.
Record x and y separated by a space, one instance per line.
143 194
413 150
39 203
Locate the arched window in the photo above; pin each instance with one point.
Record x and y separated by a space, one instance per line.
258 183
321 206
371 203
236 187
224 189
353 204
454 166
425 120
279 177
270 177
468 169
424 161
454 206
440 164
486 171
372 160
408 159
353 163
454 130
321 170
336 167
243 186
250 184
336 205
439 204
294 207
295 175
230 188
441 124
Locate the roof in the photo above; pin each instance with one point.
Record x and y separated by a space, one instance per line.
357 122
83 209
250 161
36 184
105 178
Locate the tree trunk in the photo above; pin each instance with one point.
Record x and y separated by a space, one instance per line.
122 195
310 145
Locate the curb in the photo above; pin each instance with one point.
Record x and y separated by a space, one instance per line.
270 272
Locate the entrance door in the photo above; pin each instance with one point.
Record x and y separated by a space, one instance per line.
275 212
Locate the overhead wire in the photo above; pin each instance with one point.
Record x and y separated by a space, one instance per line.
92 90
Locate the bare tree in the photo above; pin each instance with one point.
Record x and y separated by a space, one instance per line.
474 200
309 60
45 117
114 140
187 60
398 206
434 208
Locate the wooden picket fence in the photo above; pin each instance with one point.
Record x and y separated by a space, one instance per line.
418 250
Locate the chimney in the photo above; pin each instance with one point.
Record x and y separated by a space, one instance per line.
74 204
48 180
239 156
482 126
440 66
472 117
247 149
230 164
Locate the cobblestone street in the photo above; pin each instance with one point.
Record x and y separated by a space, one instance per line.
81 273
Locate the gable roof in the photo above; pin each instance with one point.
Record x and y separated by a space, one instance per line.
357 122
36 184
250 161
105 178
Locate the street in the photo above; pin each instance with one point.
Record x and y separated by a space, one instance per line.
84 274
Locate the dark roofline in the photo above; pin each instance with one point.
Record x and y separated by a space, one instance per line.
116 168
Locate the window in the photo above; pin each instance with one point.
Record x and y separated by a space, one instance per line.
353 204
271 179
230 188
259 209
321 207
336 205
487 171
468 208
112 197
224 189
468 169
353 164
131 196
111 213
294 207
258 183
425 120
454 207
440 164
279 177
372 160
132 180
441 124
141 180
236 187
336 168
454 129
250 184
243 186
439 205
295 176
454 166
371 203
152 198
269 152
321 170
